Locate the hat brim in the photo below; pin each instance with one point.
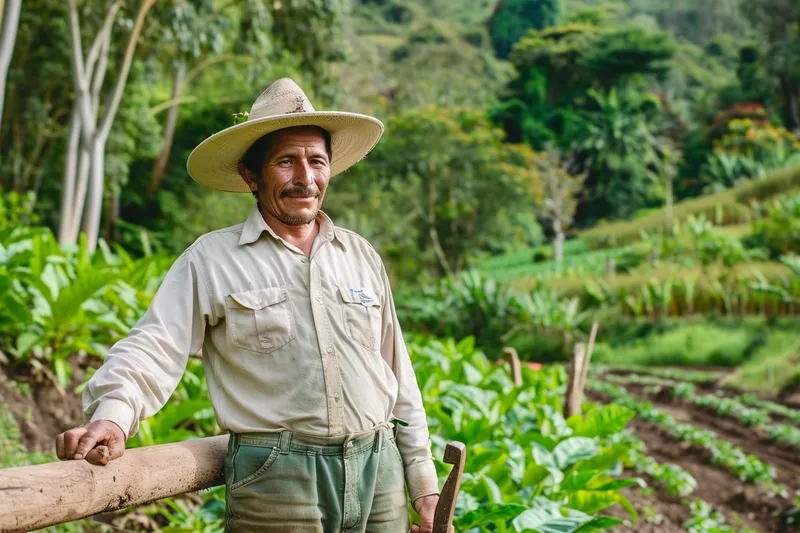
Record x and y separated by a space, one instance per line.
214 162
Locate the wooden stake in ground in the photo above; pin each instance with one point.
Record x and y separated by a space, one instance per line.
572 402
578 373
516 367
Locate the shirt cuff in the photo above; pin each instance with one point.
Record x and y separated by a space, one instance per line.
421 479
118 412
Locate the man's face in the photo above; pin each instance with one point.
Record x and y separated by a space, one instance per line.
294 176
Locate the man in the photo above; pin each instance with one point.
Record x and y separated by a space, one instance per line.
304 357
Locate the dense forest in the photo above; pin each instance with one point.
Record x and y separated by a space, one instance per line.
641 102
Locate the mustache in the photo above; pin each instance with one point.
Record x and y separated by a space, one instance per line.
300 191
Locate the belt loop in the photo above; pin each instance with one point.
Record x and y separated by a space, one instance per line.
285 441
378 440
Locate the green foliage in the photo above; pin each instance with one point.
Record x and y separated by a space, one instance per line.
528 468
437 205
476 305
690 345
727 207
63 302
698 241
779 230
773 368
675 479
746 467
513 18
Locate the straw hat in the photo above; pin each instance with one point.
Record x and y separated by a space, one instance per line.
283 105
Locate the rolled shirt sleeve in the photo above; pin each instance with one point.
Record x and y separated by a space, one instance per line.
141 371
413 440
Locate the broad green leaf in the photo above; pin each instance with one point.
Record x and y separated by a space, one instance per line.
63 372
548 518
534 474
601 421
592 501
574 449
598 523
25 342
489 514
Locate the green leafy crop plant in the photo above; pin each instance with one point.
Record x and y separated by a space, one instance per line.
528 468
746 467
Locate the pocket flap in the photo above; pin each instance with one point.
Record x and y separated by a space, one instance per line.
359 295
259 299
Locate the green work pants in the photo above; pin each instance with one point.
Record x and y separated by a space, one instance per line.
283 482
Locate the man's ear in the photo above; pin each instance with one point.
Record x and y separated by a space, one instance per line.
248 177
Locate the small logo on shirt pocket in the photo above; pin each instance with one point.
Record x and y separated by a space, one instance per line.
362 316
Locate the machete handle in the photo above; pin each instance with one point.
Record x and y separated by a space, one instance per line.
455 453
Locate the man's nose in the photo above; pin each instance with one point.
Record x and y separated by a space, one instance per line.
304 174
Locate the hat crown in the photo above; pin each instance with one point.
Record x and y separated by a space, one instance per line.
281 98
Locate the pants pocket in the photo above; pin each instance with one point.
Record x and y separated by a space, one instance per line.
249 463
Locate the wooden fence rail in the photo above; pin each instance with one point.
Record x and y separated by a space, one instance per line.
33 497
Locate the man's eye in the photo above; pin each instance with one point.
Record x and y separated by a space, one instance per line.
284 162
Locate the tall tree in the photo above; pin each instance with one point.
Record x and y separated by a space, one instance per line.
512 18
560 191
93 122
8 37
193 36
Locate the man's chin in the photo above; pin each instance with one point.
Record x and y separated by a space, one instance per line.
301 217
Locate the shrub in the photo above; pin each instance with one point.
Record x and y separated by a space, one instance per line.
779 231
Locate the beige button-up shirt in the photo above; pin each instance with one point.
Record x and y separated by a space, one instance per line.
306 343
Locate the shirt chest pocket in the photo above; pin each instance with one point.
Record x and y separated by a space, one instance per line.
362 316
261 320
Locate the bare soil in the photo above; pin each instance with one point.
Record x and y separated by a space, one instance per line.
39 407
743 504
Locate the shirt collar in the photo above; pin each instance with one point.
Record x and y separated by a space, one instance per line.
255 225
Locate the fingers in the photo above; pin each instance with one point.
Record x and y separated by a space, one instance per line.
87 442
116 449
99 455
60 446
71 440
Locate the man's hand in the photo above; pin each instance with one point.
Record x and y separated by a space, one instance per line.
76 443
426 508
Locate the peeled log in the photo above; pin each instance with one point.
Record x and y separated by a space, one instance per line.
33 497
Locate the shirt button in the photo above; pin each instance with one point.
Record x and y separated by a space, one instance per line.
336 396
330 350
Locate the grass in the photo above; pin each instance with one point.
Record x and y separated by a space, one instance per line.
771 270
688 345
774 368
726 208
578 261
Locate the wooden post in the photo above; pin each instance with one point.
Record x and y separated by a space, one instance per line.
572 402
588 357
516 367
33 497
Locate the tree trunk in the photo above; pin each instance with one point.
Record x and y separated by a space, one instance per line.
558 242
160 165
70 176
94 206
8 37
669 206
790 93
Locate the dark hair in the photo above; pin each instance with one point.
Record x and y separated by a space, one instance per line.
253 159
